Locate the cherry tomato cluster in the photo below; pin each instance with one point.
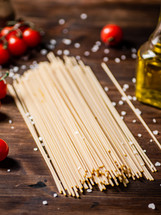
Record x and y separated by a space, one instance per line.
15 39
3 86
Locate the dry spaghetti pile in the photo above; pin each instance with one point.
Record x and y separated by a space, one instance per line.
85 142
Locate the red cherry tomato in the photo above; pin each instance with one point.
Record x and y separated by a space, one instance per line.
31 37
4 54
4 149
111 34
3 86
5 32
16 45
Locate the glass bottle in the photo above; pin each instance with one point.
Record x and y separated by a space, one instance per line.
148 76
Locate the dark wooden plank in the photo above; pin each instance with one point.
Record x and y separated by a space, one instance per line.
138 20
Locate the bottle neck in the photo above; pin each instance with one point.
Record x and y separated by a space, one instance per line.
155 38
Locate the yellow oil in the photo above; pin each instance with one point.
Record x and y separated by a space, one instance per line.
148 77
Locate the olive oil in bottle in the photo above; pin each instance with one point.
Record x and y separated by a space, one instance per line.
148 77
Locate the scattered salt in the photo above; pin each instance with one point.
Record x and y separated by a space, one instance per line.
154 120
98 43
78 57
15 69
123 57
151 206
106 51
106 89
12 127
133 50
144 150
61 21
123 113
77 45
40 139
157 164
114 104
55 195
83 16
126 86
155 132
138 111
43 51
151 140
8 170
89 190
105 59
95 48
117 60
35 149
66 52
122 117
10 121
134 80
53 42
86 53
133 55
59 52
134 98
139 135
66 41
65 31
134 120
123 98
129 97
120 102
44 202
23 67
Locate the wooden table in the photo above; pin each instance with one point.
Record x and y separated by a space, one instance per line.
21 173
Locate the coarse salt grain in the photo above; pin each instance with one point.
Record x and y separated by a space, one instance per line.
134 120
66 52
66 41
23 67
106 89
44 202
114 104
134 80
53 42
122 117
123 113
155 132
35 149
12 127
134 98
40 139
86 53
105 59
120 102
133 50
89 190
138 111
98 43
106 51
139 135
78 57
55 195
59 52
126 86
133 55
144 150
151 206
123 98
77 45
8 170
15 69
61 21
117 60
83 16
129 97
43 51
154 120
95 48
151 140
123 57
157 164
10 121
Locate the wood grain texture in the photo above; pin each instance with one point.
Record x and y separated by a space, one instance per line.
138 19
